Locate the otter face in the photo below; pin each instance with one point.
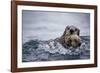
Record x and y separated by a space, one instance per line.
72 30
71 37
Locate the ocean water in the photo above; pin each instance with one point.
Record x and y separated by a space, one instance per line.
38 50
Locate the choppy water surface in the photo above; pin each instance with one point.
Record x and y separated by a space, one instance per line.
37 50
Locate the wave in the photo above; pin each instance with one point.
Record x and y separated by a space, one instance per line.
51 50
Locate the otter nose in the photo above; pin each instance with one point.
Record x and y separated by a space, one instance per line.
71 31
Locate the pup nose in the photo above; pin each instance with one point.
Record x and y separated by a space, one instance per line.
71 31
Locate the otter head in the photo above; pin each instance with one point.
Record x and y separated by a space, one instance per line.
71 37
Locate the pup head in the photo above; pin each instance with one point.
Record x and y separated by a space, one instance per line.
71 37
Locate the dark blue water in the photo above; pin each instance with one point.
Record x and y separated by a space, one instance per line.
36 50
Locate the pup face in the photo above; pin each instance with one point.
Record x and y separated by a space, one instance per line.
71 37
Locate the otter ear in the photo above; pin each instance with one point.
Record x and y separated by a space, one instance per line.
67 28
